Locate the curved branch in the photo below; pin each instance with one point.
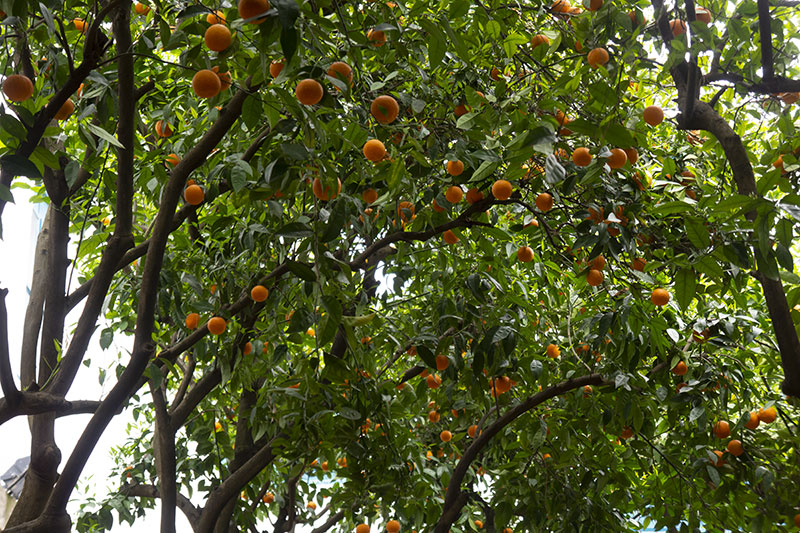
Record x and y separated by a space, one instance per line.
330 522
10 391
36 403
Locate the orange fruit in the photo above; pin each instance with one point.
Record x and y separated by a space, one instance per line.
80 25
172 160
722 430
560 6
472 430
446 436
433 381
680 369
753 421
217 325
627 432
341 71
595 5
206 84
660 297
193 195
582 157
594 278
525 254
311 505
309 92
536 40
248 348
253 8
225 79
17 87
218 37
653 115
474 195
259 293
436 207
433 416
449 237
598 263
369 196
454 194
141 9
163 129
703 15
678 27
544 202
638 264
719 461
376 37
442 362
276 67
461 109
362 528
597 57
406 210
501 189
632 154
385 109
392 526
216 17
735 447
495 74
768 415
326 194
502 384
455 168
268 498
478 524
65 110
553 351
374 150
192 320
617 159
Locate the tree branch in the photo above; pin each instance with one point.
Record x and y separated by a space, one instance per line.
10 391
164 451
191 512
330 522
35 403
765 37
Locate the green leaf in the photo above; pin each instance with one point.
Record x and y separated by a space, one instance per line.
784 233
13 126
103 134
333 227
784 257
437 42
767 265
670 208
294 230
356 321
288 11
713 474
685 287
426 355
301 271
5 194
289 41
17 165
485 169
696 413
349 413
697 232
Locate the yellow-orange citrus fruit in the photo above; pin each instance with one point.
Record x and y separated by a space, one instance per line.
163 129
141 9
553 351
680 369
248 348
326 194
172 160
536 40
560 6
276 67
206 84
594 278
597 57
722 430
797 520
461 109
341 71
735 447
653 115
449 237
678 27
192 320
617 159
362 528
392 526
374 150
369 196
385 109
525 254
753 421
65 110
309 92
454 194
259 293
268 498
474 195
632 154
638 264
17 87
660 297
80 25
501 189
595 5
217 325
216 17
218 37
253 8
581 157
768 415
598 263
311 505
406 211
472 430
627 432
544 202
455 167
446 436
433 381
193 195
703 15
434 417
225 79
376 37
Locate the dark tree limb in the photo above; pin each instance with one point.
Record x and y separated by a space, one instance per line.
765 38
186 506
35 403
164 450
33 314
330 522
180 411
287 516
11 394
456 498
188 373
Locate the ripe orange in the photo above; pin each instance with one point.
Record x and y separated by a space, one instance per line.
385 109
217 325
80 25
206 84
536 40
433 381
597 57
276 67
65 110
474 195
172 160
653 115
638 264
703 15
446 436
163 129
248 348
362 528
192 320
433 416
478 524
326 194
719 461
259 293
193 195
341 71
797 520
311 505
735 447
218 37
617 159
501 189
678 27
309 92
392 526
253 8
627 432
582 157
633 155
216 17
268 498
376 37
455 168
594 278
406 210
454 194
17 87
369 196
553 351
722 429
598 263
374 150
442 362
472 430
225 79
560 6
660 297
680 369
595 5
544 202
141 9
768 415
449 237
753 421
525 254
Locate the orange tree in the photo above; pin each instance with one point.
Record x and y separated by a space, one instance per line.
446 264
